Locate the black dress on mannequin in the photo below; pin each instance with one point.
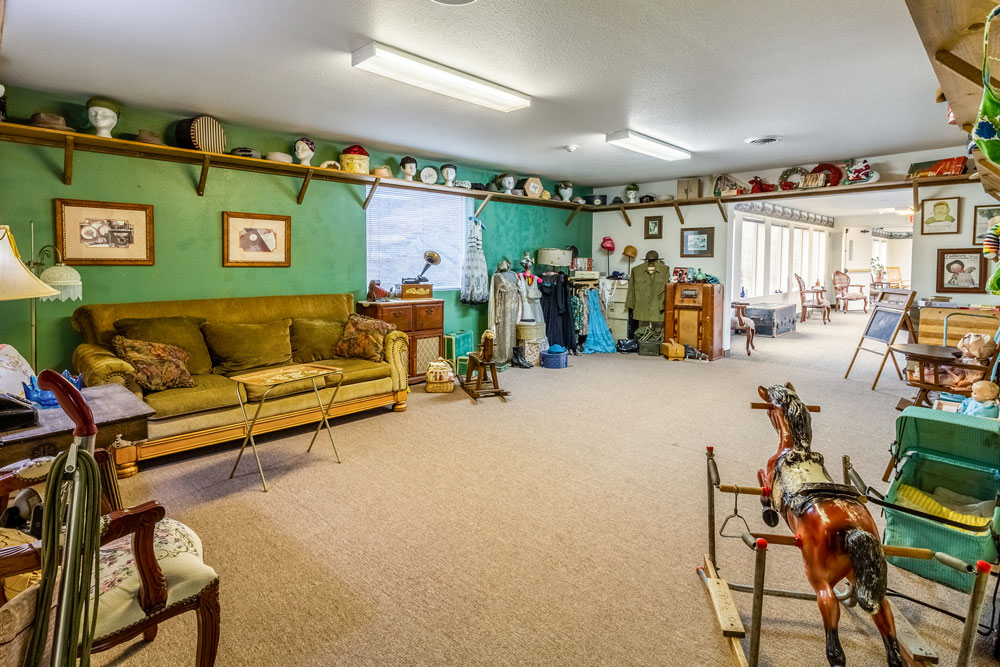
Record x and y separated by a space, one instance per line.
557 297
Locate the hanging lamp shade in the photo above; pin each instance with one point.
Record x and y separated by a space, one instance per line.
66 280
16 280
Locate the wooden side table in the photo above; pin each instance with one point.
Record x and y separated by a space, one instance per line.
117 411
422 320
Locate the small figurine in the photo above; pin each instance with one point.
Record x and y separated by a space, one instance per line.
758 184
565 190
305 148
632 193
859 171
983 402
409 166
103 114
506 182
448 172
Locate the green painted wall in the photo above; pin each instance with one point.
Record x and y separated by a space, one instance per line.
328 229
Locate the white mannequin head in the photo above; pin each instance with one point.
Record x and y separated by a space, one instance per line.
103 119
565 190
507 182
305 148
448 172
409 166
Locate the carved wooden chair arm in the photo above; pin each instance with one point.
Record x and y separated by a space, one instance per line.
140 522
861 288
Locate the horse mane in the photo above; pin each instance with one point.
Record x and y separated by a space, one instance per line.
796 414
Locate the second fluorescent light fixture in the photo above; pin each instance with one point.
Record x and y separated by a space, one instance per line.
640 143
416 71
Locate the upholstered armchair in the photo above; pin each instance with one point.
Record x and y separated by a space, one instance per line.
842 287
151 569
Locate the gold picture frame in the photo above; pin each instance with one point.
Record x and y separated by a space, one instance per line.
104 233
256 240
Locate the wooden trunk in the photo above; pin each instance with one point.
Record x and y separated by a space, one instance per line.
422 320
693 315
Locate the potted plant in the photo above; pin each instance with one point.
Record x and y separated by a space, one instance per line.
878 271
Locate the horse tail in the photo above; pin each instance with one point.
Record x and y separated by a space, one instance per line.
868 561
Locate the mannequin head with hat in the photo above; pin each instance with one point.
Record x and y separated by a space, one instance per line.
103 114
652 257
305 148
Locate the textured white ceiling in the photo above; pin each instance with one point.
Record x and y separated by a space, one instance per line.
836 79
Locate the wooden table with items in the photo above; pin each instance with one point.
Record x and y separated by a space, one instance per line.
420 319
117 411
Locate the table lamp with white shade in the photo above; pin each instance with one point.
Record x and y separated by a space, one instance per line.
18 280
555 257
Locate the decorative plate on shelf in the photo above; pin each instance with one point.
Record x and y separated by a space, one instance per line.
428 175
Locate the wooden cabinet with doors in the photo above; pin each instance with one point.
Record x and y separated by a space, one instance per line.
420 319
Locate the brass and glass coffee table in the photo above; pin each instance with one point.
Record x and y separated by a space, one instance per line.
275 377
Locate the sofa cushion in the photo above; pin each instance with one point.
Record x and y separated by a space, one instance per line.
208 393
240 347
357 370
315 339
364 338
158 366
184 332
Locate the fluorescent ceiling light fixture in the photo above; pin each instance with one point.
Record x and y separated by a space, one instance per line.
416 71
640 143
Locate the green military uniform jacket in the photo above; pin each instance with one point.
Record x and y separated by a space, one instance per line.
647 292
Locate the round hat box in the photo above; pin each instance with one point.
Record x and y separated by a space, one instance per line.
530 330
554 359
203 133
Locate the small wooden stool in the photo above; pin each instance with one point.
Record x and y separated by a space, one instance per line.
476 383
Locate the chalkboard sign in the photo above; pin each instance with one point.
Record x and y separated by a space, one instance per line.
882 324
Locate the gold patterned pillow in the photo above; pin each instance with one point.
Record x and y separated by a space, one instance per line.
158 366
364 338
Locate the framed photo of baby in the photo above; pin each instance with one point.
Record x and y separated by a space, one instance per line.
961 270
940 216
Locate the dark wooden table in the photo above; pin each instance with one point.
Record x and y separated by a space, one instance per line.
117 411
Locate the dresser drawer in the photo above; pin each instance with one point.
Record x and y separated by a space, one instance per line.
617 311
428 316
621 292
401 316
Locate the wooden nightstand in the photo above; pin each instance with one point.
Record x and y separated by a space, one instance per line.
420 319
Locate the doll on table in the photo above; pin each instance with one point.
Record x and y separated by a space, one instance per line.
983 402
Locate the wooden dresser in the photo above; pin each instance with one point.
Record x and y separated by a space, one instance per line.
420 319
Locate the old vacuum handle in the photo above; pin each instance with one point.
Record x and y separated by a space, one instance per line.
71 401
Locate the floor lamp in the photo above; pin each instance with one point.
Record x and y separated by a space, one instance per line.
18 280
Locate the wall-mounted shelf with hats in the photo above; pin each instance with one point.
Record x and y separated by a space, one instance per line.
71 142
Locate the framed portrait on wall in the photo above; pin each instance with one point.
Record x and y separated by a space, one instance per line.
961 270
981 222
653 227
698 242
940 216
100 232
256 239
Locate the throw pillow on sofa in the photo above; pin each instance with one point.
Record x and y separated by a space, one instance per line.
315 339
364 338
182 332
158 366
240 347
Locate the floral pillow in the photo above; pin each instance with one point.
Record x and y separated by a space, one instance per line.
158 366
364 338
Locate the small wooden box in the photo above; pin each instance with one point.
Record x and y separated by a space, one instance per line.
416 291
688 188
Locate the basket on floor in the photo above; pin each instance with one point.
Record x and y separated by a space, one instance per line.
554 359
440 378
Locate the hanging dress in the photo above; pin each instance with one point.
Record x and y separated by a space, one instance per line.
503 314
475 280
599 336
531 298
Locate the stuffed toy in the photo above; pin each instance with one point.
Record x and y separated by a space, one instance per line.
991 249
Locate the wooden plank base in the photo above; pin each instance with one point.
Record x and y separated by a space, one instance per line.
916 651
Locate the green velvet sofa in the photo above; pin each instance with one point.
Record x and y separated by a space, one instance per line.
209 412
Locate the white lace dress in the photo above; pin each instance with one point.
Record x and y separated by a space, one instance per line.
475 279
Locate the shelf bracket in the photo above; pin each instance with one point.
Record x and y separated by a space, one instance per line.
625 215
206 163
722 209
677 210
573 214
371 193
68 161
962 68
483 205
305 184
916 198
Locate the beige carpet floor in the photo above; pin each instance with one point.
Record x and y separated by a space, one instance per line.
560 528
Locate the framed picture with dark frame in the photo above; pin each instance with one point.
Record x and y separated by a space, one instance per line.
653 227
961 270
981 222
698 242
104 233
940 216
256 239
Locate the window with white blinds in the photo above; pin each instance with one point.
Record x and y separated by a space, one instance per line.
403 224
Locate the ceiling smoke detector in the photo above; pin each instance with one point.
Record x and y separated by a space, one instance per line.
570 148
762 141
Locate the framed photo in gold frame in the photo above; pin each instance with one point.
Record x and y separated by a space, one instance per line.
104 233
256 239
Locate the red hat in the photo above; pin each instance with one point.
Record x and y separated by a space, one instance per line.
608 244
355 150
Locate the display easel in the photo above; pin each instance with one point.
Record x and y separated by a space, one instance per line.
890 315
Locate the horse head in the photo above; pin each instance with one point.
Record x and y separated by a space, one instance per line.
788 414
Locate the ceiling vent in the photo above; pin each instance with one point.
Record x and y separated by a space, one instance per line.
762 141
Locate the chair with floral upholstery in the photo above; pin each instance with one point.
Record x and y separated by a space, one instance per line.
842 287
151 569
